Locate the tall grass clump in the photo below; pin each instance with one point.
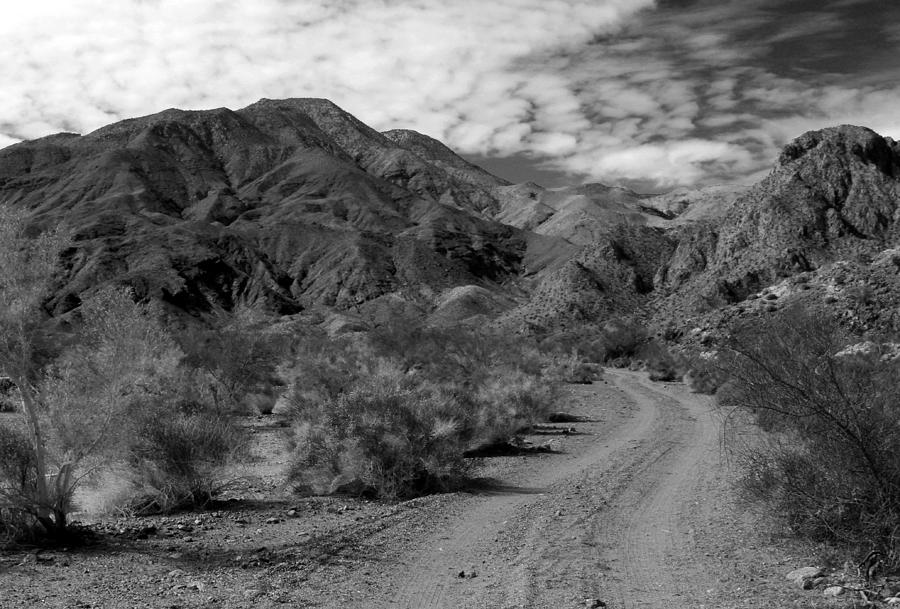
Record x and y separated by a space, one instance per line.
824 459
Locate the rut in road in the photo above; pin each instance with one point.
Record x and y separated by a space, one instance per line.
611 520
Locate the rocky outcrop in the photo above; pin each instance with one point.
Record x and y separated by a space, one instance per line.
833 196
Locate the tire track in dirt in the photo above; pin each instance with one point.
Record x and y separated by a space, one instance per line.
609 523
487 529
651 542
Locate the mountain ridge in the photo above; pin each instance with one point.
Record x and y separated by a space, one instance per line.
298 206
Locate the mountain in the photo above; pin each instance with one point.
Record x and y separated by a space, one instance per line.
832 201
291 203
300 207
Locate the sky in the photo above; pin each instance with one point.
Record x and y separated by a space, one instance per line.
649 94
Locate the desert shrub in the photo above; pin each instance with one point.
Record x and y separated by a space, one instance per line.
178 455
622 339
400 422
583 342
508 402
398 436
705 374
240 351
661 364
17 481
458 354
826 459
571 369
9 396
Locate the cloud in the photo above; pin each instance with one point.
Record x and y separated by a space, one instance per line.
7 141
611 90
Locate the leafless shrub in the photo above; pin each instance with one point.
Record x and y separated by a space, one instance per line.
827 460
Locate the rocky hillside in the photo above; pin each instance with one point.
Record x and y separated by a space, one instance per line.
832 202
297 205
293 203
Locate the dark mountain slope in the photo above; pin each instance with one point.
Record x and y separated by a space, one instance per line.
294 203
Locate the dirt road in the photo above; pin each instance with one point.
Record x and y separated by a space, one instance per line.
616 519
634 510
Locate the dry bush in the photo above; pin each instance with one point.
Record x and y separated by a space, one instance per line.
622 339
240 352
17 484
9 396
661 364
457 354
571 369
826 461
618 339
508 402
398 435
400 422
705 374
178 454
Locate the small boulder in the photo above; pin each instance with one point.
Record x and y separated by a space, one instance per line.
833 591
798 575
894 600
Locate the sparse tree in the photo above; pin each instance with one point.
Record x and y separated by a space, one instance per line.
27 266
75 387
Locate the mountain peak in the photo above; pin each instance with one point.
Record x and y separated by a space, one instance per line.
860 142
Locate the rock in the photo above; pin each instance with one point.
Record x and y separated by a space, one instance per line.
798 575
894 600
175 573
833 591
252 593
593 603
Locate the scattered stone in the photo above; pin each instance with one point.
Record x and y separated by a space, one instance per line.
292 513
273 520
798 575
252 593
175 573
833 591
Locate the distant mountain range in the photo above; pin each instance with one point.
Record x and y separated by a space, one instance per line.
300 207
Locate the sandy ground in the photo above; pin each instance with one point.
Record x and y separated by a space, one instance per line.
635 510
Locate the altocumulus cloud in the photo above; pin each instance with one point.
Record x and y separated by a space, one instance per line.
447 69
680 93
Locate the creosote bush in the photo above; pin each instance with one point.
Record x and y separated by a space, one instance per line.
178 451
826 459
396 414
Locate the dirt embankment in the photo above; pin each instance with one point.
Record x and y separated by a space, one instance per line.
634 509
